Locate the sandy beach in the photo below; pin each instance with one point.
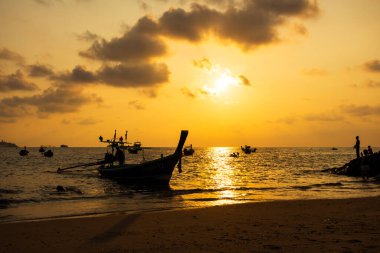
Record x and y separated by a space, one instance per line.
343 225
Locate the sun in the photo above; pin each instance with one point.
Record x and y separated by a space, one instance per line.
224 80
221 80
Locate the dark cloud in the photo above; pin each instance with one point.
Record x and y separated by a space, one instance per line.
373 84
188 92
192 25
84 1
66 122
78 75
88 36
300 29
6 54
254 23
50 2
16 82
144 6
370 84
46 2
286 7
150 93
204 92
43 2
361 110
52 100
9 110
373 66
204 63
119 75
140 43
287 120
7 121
144 75
323 117
88 121
243 80
39 70
137 105
222 3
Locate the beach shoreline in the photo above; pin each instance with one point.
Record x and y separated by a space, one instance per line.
319 225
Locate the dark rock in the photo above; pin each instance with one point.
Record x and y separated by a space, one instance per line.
366 166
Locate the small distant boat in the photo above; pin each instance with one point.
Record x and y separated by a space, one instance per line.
64 146
235 154
247 149
41 150
188 150
334 148
48 153
135 148
23 152
156 172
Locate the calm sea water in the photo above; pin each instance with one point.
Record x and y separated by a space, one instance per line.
210 177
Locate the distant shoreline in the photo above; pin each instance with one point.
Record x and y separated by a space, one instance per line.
5 144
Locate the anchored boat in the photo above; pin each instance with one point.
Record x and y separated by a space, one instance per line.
247 149
158 171
188 150
135 148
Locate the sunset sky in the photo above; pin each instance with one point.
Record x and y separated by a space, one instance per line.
232 72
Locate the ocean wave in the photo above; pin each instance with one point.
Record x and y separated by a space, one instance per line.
9 191
307 187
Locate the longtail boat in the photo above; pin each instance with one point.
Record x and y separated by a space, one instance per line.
135 148
188 150
23 152
247 149
157 172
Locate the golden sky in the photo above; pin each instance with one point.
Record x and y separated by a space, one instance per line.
232 72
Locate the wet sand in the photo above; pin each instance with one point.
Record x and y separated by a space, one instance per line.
348 225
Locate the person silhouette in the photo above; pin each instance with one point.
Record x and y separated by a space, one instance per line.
119 156
357 147
370 151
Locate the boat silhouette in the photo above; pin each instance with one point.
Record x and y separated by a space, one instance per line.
188 150
247 149
154 172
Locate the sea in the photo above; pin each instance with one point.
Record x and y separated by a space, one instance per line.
210 177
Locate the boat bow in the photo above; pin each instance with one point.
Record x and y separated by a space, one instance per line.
181 141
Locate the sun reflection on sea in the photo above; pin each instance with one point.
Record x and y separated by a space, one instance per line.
224 174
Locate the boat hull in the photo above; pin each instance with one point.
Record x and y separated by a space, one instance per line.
187 152
157 172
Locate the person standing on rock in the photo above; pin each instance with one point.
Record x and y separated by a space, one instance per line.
357 147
